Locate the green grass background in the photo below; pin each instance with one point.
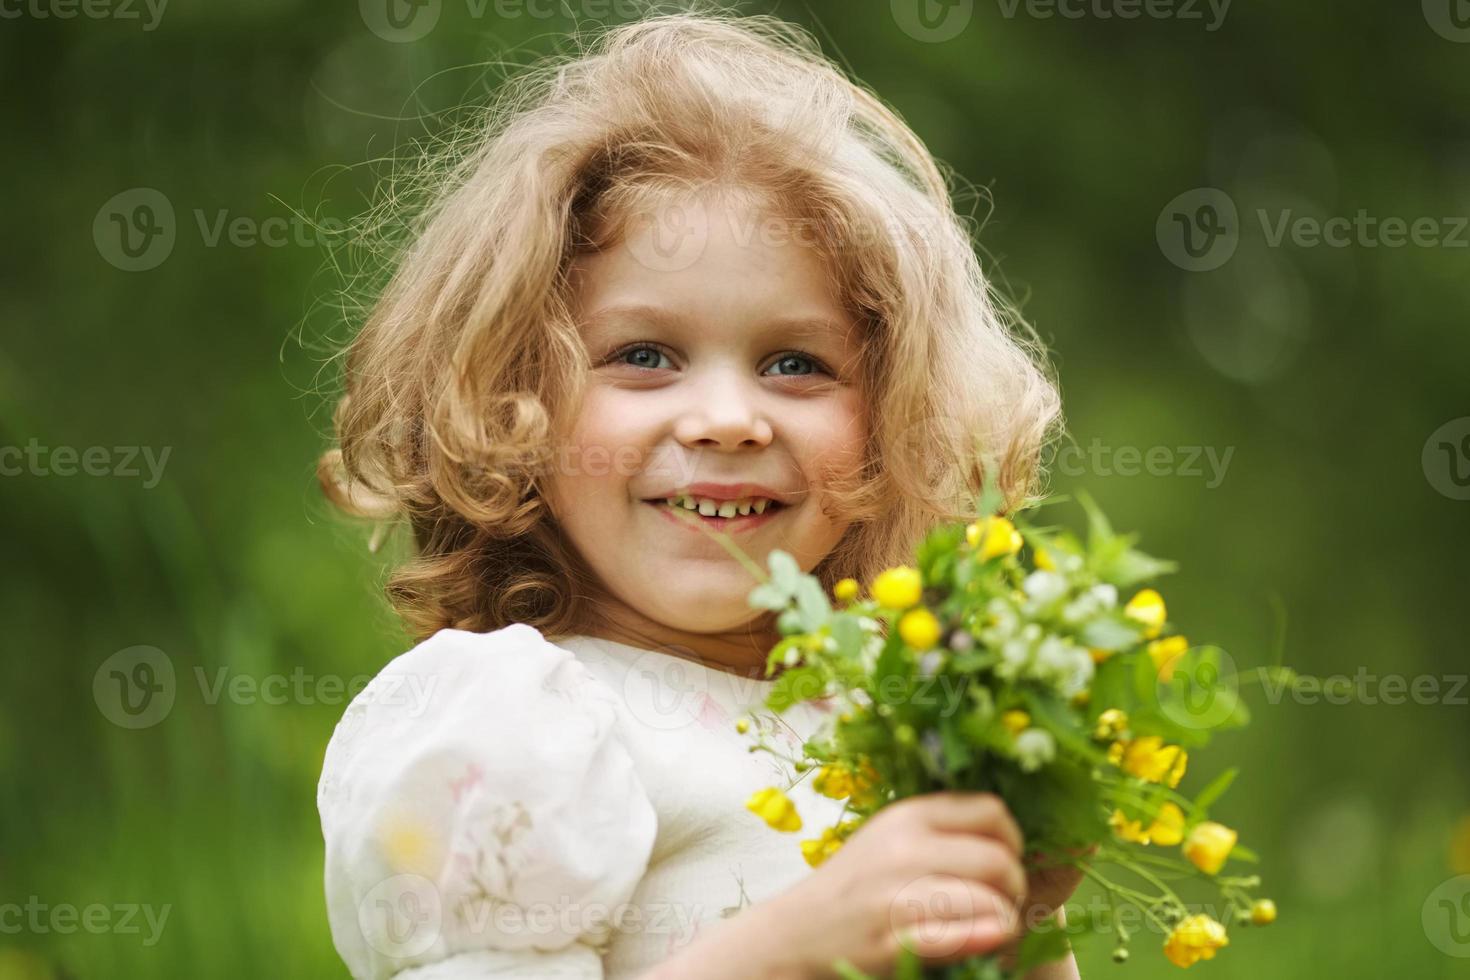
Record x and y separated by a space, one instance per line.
1325 370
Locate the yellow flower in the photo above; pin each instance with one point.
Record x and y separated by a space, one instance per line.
864 786
919 628
1168 827
846 590
1129 830
1165 654
1098 656
1263 912
819 849
1147 607
1110 724
1043 560
1151 760
1115 753
775 808
1082 698
1015 721
833 781
1208 845
898 588
1194 939
993 537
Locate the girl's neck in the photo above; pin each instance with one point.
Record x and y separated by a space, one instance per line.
741 651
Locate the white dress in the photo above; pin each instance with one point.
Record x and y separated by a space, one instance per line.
498 805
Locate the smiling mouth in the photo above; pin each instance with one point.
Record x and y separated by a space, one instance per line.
682 515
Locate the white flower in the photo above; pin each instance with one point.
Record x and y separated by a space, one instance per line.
930 662
1043 588
1035 747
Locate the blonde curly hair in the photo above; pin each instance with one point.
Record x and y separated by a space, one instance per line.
470 361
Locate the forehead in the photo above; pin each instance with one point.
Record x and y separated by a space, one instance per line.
740 276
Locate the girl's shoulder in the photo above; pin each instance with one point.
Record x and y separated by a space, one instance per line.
478 769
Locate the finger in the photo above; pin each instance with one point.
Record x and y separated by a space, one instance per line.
990 923
983 859
954 939
942 897
975 813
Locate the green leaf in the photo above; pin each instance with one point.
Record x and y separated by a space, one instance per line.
767 596
846 971
785 572
1212 792
1111 632
796 684
812 604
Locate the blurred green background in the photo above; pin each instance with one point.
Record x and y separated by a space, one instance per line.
1331 384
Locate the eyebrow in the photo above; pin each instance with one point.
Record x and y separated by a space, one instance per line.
803 327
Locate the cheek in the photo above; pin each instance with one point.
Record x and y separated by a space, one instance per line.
835 443
603 451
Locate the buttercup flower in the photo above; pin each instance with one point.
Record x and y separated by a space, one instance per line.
1195 938
1167 829
1263 912
1147 608
833 781
1208 845
819 849
1110 724
1043 560
898 588
1165 654
775 808
846 590
919 628
1151 760
1125 829
1015 721
993 537
864 786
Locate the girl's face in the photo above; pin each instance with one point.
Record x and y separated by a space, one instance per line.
722 357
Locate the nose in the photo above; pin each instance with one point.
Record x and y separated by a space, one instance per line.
724 411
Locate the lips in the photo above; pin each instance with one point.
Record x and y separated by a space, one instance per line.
687 518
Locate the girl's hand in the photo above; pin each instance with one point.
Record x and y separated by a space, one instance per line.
940 873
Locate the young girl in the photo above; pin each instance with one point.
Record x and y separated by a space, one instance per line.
691 279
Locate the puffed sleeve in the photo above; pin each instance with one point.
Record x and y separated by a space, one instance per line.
481 816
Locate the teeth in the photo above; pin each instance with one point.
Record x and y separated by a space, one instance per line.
720 508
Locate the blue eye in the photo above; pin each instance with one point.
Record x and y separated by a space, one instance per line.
797 357
645 349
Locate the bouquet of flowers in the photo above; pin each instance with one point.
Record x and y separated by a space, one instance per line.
1033 663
